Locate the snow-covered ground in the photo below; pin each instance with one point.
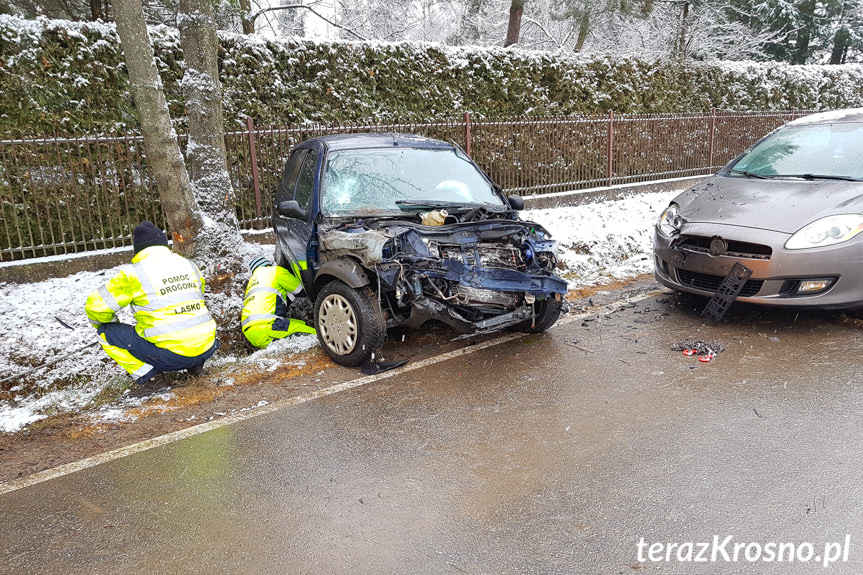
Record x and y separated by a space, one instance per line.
598 242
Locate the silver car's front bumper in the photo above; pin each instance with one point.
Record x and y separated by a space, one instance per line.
689 266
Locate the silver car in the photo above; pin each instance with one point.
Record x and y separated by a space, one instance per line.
790 209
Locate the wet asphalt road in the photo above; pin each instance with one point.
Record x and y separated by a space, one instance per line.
556 453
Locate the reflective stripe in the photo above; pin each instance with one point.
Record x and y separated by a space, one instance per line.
142 371
177 326
95 323
172 299
268 289
259 316
109 299
265 289
144 280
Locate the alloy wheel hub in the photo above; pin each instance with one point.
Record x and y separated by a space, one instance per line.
338 324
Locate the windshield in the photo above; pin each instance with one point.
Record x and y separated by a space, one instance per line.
371 182
831 151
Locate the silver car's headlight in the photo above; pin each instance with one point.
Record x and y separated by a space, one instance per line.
827 231
670 221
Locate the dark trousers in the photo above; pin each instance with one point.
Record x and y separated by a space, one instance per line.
124 336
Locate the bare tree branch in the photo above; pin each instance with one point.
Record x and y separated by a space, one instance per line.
402 30
310 9
528 20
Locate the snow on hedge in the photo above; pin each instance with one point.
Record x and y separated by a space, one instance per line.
70 76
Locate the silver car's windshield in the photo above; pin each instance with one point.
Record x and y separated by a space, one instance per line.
373 182
830 151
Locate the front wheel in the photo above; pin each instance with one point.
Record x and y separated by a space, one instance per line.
547 314
349 323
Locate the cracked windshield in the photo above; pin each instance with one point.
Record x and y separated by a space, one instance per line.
387 182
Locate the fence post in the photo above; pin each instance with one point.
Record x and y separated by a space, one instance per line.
467 132
610 145
712 137
253 158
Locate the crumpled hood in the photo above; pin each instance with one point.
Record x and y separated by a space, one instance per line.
775 205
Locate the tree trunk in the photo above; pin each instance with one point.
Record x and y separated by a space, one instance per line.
160 140
801 51
840 46
512 32
245 13
684 25
206 157
583 28
96 10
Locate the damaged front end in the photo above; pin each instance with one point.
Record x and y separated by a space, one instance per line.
476 276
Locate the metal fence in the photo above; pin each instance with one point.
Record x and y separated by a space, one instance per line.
69 195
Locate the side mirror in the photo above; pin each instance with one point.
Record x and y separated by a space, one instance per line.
516 202
291 209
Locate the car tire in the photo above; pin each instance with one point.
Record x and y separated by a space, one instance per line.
547 314
349 324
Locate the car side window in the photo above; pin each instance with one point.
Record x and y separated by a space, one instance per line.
306 181
286 188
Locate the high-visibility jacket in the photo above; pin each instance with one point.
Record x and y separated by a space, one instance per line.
166 294
268 286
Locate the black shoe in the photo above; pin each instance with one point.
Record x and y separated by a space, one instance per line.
196 371
155 385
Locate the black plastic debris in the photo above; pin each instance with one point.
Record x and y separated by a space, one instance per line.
376 367
727 292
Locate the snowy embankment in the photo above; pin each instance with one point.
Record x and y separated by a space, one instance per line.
598 242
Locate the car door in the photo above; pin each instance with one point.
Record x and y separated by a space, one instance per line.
293 228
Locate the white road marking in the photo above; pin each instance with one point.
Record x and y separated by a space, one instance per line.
68 468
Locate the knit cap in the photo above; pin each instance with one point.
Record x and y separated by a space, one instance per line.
258 262
146 235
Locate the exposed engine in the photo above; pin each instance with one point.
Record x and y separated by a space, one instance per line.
465 274
487 255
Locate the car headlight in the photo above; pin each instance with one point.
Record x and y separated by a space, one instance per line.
827 231
670 221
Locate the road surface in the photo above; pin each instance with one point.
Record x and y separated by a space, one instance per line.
593 448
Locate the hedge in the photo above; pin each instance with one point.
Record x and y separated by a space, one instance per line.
69 78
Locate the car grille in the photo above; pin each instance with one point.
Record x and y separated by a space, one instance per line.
735 249
709 282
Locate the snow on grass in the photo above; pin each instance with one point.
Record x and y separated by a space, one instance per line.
597 242
273 356
606 240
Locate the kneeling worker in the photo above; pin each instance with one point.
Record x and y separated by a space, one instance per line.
268 294
174 330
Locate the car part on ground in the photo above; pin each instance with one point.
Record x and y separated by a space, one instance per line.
371 367
698 347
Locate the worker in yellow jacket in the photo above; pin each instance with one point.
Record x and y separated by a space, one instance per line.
174 330
269 292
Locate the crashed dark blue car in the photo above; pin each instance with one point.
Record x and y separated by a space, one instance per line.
392 229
